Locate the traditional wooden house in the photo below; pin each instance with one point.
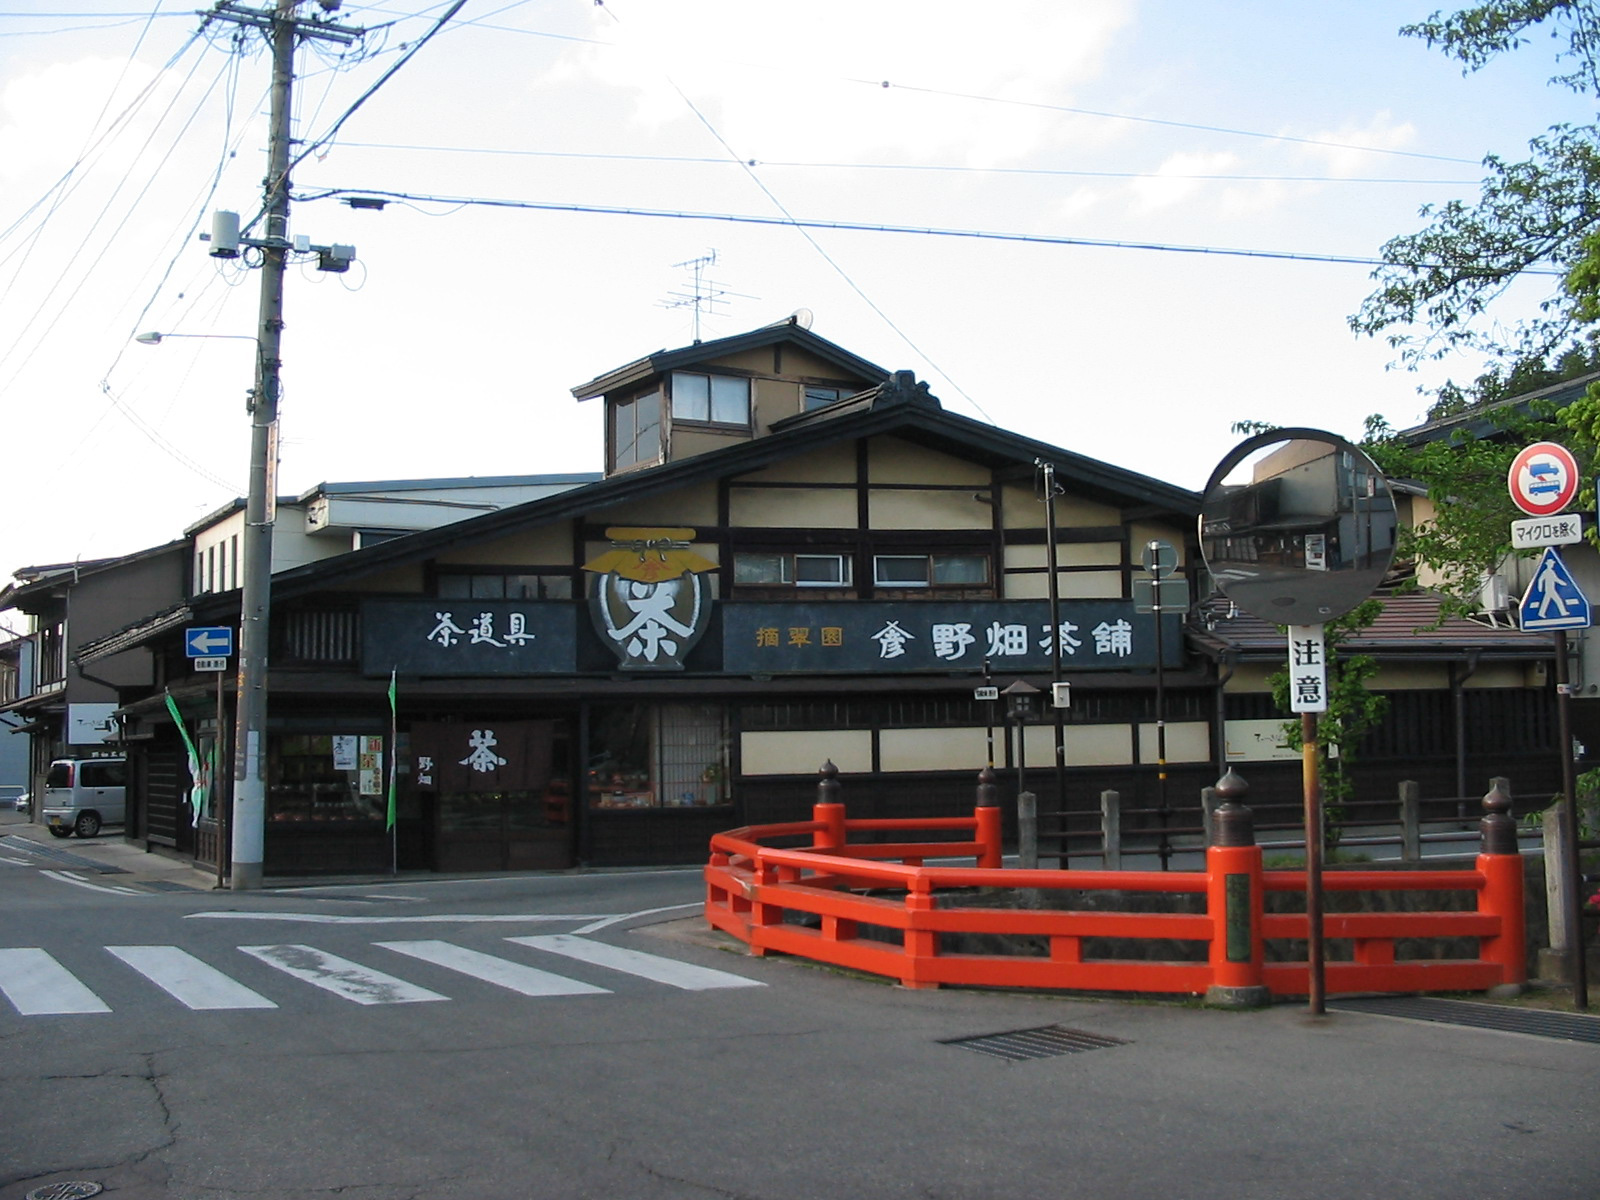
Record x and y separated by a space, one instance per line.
794 556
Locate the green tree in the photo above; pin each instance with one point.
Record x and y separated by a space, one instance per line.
1467 535
1435 293
1532 217
1353 711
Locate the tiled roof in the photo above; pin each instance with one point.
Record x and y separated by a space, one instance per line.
1405 630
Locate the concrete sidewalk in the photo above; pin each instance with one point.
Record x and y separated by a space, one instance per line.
108 855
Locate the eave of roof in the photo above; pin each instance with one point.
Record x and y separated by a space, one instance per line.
663 361
55 576
134 635
1402 632
920 423
1480 422
449 482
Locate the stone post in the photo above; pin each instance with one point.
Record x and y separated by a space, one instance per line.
1111 830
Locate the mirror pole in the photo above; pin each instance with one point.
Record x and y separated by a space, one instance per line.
1315 993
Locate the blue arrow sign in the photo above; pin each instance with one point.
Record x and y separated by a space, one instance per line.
208 641
1553 600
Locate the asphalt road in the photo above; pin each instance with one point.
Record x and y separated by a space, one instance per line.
415 1038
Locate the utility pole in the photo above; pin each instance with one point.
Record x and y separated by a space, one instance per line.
250 737
255 623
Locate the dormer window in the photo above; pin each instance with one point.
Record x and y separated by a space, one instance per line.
714 399
636 430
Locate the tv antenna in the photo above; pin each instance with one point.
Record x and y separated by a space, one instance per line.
705 293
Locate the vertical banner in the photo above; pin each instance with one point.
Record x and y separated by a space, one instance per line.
198 783
1308 669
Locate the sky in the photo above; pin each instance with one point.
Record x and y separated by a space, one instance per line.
616 140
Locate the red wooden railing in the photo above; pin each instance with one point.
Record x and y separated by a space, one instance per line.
813 900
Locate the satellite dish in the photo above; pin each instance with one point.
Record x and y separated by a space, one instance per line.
801 317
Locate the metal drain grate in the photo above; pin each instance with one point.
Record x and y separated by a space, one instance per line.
1571 1027
1048 1041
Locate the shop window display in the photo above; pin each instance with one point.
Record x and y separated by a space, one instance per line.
669 756
326 778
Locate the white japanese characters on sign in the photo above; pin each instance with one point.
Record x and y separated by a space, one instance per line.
482 756
480 631
1308 669
1537 532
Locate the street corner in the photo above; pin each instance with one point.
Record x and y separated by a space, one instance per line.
121 864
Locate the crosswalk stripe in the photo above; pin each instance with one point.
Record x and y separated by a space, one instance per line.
188 980
40 986
636 962
530 981
349 980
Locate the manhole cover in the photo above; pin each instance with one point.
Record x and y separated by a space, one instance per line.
1048 1041
74 1190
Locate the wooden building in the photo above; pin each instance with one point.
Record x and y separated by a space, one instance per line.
794 556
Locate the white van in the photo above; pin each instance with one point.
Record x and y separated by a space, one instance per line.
82 794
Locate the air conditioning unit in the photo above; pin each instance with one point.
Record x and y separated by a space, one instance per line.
1495 594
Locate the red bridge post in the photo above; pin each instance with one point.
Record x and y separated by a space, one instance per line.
1234 901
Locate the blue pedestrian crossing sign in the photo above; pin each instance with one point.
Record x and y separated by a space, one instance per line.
1553 600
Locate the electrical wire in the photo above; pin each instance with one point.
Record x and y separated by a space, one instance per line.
805 232
316 143
86 241
230 144
1046 172
875 227
1170 124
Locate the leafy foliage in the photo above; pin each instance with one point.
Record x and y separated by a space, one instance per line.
1467 535
1476 35
1534 216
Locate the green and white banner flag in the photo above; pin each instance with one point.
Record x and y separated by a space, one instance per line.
394 754
199 786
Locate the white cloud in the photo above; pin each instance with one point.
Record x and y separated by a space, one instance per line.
827 100
1380 132
1179 178
48 116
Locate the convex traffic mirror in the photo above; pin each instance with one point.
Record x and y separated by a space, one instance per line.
1297 526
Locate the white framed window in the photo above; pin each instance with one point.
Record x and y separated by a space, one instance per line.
930 570
821 397
792 570
716 399
821 570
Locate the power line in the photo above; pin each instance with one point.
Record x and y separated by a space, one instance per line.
1192 125
1047 172
878 227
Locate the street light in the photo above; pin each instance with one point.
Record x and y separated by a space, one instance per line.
250 710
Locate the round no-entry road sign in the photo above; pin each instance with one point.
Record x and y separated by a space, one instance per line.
1543 479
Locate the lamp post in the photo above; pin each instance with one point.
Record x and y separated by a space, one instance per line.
1052 489
1022 701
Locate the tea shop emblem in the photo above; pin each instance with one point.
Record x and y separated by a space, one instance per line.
648 597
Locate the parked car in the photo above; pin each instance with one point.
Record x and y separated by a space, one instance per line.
24 801
83 794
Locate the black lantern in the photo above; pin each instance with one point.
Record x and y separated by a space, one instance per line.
1022 706
1022 701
